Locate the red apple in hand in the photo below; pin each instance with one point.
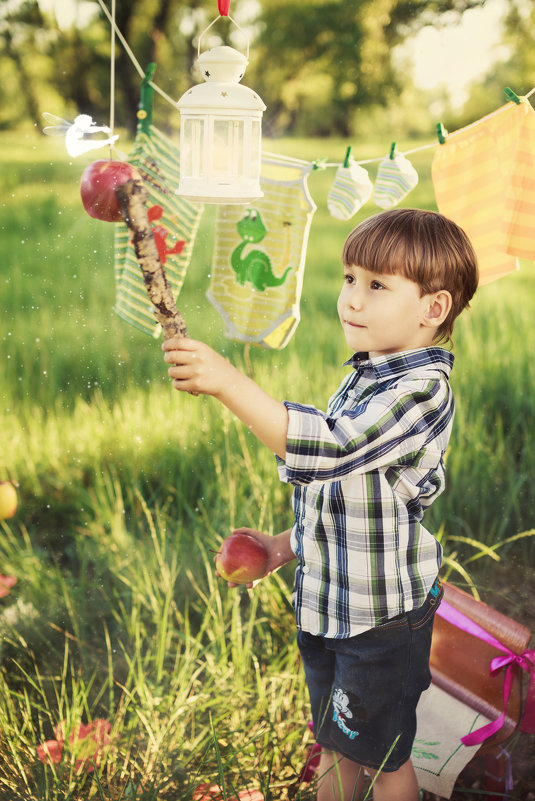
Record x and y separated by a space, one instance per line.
8 500
242 559
97 188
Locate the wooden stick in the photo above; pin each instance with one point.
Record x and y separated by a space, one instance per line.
133 196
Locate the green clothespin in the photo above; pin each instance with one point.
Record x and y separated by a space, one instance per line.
348 155
319 164
512 96
144 113
392 150
441 133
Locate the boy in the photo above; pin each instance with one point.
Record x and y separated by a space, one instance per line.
366 585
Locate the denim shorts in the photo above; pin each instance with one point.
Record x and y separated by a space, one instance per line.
364 689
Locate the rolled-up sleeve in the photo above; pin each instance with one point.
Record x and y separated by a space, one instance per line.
390 428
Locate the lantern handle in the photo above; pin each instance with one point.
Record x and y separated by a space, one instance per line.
213 22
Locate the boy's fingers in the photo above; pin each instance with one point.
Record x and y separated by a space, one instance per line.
185 357
178 357
179 343
230 583
182 372
184 386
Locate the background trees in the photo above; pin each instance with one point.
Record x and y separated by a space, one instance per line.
322 67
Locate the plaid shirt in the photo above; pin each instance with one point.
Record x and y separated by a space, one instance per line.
363 474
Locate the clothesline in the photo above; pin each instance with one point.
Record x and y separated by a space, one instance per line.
131 55
319 163
422 147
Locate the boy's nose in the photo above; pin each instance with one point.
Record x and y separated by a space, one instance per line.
355 298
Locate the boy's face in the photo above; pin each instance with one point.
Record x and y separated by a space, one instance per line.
383 314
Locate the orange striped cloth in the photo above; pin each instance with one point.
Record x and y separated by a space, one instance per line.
484 180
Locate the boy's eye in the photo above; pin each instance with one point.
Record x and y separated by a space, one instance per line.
377 285
349 279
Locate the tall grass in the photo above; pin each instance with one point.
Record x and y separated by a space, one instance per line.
72 367
126 487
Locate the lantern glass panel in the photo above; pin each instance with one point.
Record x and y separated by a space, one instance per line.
253 163
220 150
228 148
192 156
237 147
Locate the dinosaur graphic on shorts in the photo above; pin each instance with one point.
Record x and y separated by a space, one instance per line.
255 266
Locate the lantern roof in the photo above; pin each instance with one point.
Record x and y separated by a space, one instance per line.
222 68
222 64
220 96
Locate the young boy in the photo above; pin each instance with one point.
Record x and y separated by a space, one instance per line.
366 584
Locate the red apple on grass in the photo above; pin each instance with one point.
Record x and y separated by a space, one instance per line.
242 559
8 500
97 188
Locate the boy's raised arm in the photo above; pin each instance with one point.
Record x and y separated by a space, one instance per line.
197 368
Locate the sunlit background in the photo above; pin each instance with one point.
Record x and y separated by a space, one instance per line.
119 647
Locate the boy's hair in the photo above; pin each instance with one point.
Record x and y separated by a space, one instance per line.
423 246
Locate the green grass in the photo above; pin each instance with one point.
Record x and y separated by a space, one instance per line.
126 486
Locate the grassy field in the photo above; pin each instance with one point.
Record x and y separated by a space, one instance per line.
126 487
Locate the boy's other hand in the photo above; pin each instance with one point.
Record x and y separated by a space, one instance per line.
277 547
196 368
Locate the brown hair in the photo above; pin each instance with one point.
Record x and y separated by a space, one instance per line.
423 246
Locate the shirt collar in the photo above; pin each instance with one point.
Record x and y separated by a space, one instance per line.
403 362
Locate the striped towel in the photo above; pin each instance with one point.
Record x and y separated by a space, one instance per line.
484 180
174 224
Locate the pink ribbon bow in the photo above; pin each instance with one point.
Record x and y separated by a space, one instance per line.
526 660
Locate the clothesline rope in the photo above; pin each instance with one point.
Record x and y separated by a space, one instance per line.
429 144
112 73
132 57
172 102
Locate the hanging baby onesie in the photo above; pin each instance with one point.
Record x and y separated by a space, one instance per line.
351 189
484 180
395 178
259 257
174 225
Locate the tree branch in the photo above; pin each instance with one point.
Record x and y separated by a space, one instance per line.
133 196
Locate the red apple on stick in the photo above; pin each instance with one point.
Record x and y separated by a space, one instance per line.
242 559
97 188
8 500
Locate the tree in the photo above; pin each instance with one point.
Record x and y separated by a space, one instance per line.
315 64
335 55
18 22
163 32
513 67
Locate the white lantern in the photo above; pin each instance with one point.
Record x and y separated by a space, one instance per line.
220 134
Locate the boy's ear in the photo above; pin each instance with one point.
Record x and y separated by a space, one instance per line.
438 307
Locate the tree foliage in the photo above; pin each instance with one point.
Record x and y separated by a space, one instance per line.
320 66
18 24
513 65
